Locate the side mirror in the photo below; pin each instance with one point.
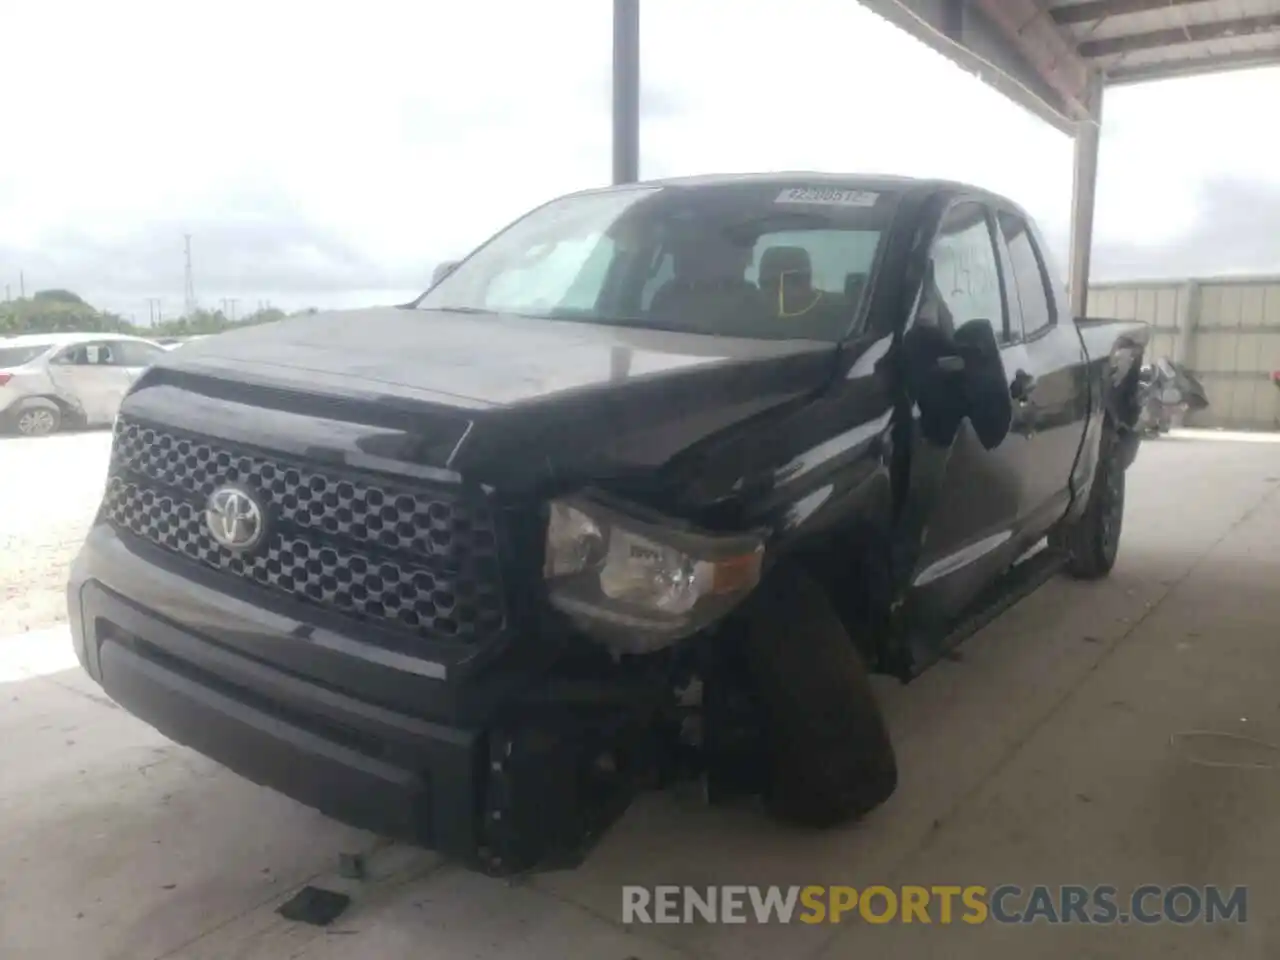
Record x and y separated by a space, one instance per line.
442 270
934 373
987 400
953 377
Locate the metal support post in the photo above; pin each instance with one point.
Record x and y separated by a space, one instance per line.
626 91
1083 196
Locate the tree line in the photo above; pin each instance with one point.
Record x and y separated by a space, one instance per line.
62 311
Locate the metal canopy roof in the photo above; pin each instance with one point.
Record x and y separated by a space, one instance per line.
1055 57
1135 40
1046 54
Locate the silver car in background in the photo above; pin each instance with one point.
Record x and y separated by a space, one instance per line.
53 380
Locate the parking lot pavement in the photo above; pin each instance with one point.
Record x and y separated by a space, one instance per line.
1042 755
49 490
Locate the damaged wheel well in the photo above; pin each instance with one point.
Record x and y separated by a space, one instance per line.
853 565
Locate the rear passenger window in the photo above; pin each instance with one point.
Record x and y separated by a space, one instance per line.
819 274
86 355
834 256
965 282
1029 276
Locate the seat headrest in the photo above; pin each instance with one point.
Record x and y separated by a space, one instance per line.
711 261
777 261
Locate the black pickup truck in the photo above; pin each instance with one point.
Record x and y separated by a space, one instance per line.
642 489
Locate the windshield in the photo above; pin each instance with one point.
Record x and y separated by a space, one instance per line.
17 356
747 260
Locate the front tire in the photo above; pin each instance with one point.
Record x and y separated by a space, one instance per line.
830 758
1093 541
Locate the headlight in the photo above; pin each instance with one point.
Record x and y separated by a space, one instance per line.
640 584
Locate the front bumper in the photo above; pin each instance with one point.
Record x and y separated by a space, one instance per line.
233 681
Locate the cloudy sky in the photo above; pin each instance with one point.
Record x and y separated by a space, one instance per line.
330 155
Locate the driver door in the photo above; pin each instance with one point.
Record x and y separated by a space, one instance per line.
964 499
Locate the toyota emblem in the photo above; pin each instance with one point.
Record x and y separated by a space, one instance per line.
235 518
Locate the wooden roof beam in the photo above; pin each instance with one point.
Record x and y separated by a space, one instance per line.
1046 47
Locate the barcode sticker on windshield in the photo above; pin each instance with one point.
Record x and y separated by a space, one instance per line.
829 196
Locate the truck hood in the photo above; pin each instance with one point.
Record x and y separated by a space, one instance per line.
500 399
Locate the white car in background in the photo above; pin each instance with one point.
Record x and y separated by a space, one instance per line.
53 380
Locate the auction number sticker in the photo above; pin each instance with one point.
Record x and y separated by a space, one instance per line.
829 196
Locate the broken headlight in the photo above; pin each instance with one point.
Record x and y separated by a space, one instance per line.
639 584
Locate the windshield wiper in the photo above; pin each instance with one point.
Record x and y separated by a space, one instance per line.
471 310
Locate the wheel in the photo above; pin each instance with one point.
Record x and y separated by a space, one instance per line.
38 419
829 755
1093 541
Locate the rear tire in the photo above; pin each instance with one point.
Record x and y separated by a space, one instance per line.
38 418
1093 541
830 758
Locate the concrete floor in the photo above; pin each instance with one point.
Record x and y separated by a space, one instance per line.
1043 755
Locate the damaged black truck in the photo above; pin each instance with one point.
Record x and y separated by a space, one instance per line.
642 489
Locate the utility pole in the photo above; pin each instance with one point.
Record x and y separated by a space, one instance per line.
232 315
626 91
22 285
189 290
153 309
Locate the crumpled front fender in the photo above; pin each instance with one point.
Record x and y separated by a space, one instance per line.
1122 343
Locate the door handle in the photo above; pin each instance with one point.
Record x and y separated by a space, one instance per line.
1022 385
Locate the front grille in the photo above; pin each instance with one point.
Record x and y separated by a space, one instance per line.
425 562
